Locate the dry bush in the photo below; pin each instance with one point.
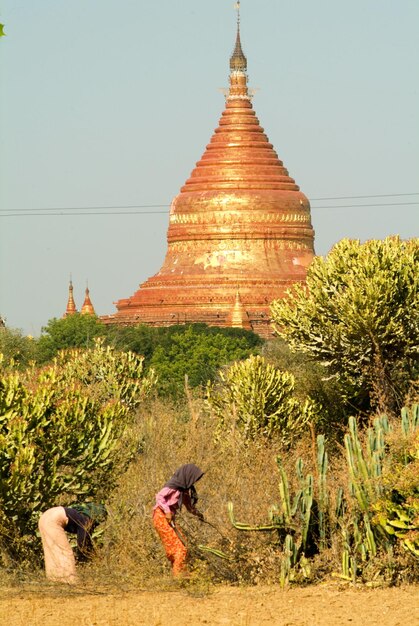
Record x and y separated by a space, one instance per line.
245 473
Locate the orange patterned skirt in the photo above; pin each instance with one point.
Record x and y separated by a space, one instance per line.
176 551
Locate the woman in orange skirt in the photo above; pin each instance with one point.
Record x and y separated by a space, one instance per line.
178 491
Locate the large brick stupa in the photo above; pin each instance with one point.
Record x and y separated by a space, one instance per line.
240 230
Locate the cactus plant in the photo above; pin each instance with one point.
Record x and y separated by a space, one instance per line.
357 314
368 525
296 517
262 399
289 560
323 497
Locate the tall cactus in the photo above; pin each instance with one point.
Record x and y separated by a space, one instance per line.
368 522
289 560
296 517
365 470
410 419
387 514
397 509
323 496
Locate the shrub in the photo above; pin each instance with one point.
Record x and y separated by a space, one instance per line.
260 400
62 434
310 381
397 508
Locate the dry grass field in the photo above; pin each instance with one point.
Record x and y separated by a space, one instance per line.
129 581
219 605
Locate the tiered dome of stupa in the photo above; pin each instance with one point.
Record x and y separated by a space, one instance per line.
239 233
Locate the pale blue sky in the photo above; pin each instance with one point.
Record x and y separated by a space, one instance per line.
110 103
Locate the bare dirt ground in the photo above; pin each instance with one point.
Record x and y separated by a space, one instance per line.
233 606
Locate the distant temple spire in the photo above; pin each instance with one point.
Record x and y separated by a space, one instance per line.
71 305
87 307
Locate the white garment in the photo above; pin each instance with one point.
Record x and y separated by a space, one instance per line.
60 564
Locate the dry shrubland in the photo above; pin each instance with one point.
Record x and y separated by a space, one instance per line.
237 470
245 472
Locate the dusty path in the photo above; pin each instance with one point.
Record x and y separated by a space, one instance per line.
251 606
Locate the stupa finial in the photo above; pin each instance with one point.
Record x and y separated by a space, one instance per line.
237 7
238 66
238 61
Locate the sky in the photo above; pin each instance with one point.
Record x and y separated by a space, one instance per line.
110 103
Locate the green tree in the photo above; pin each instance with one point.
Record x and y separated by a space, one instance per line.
358 315
194 349
16 347
140 339
73 331
197 351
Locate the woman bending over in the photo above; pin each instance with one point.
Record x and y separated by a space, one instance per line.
178 491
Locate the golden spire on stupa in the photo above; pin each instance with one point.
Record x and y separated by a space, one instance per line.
71 305
238 65
87 307
240 222
239 318
238 61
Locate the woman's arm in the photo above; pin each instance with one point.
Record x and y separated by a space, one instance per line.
191 507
